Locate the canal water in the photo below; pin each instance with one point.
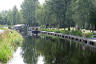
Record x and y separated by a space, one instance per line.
52 50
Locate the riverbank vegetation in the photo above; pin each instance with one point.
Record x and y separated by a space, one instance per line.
80 33
9 41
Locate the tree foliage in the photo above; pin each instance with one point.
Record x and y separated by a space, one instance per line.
11 17
28 11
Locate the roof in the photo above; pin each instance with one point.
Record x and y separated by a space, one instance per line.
18 25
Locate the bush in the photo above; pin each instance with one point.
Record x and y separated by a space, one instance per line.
77 33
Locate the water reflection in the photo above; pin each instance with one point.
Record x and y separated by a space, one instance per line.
29 51
40 60
48 50
17 57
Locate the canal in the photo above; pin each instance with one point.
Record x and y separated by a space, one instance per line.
52 50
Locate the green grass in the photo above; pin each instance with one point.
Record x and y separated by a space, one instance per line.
9 41
72 32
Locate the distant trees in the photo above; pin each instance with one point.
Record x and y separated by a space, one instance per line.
15 16
44 16
3 17
92 15
68 13
11 17
59 8
53 13
82 12
28 11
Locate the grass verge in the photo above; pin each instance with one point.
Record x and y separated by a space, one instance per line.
9 41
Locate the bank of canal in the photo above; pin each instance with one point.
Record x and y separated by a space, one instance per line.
9 41
51 50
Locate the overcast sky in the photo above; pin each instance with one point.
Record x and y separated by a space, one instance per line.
9 4
41 1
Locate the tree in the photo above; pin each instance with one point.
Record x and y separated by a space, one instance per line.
92 13
44 16
14 17
28 11
10 18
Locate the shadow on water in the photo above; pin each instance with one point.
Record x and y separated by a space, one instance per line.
55 51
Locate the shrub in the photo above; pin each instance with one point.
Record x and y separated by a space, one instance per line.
76 32
88 35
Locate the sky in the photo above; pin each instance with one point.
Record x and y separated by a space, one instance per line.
41 1
9 4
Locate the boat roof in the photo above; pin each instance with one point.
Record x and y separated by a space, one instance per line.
18 25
